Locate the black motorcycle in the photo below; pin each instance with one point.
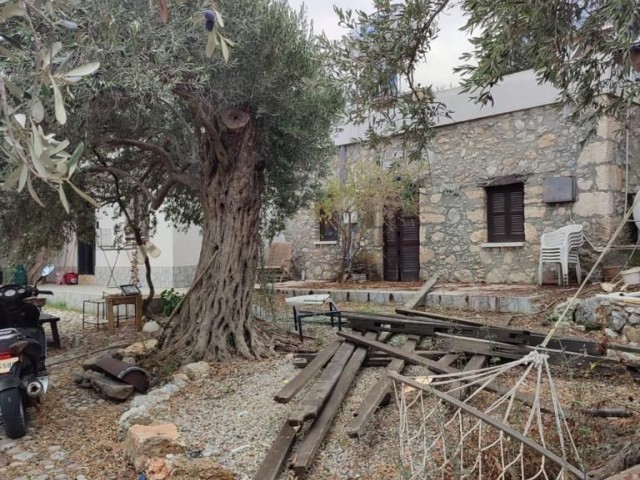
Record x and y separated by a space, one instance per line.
23 349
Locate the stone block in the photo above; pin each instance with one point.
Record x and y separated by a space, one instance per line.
478 236
380 298
359 296
608 128
139 349
618 320
597 153
196 370
105 386
339 295
547 140
609 177
632 333
474 194
476 216
585 184
594 203
534 212
150 441
432 218
400 297
134 416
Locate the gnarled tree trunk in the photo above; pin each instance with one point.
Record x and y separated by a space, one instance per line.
215 321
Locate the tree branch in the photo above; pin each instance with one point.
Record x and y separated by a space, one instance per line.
122 173
128 142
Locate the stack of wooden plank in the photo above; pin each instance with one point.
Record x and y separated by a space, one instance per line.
458 343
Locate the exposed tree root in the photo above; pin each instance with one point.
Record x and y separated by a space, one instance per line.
627 457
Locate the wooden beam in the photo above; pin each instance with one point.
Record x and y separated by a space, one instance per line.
417 299
429 327
494 423
316 397
277 455
377 395
476 362
437 316
602 365
312 440
494 386
290 390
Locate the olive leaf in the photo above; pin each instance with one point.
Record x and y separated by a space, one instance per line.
61 113
37 111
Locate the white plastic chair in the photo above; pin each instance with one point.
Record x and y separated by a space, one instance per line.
561 246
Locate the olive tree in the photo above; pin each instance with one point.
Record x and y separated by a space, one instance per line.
585 48
216 118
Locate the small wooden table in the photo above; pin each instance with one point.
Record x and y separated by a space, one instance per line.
113 300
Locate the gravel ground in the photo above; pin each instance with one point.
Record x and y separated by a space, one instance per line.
238 400
72 434
232 417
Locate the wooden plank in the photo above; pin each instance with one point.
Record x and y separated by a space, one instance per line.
476 362
438 316
290 390
277 454
318 394
494 423
417 299
377 395
434 366
312 440
594 364
427 327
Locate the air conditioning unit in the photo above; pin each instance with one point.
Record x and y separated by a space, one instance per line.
349 218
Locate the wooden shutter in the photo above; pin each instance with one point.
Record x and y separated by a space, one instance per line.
410 248
390 261
505 213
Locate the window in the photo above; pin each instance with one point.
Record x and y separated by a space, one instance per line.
328 228
505 213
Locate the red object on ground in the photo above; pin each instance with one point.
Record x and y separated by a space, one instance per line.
71 278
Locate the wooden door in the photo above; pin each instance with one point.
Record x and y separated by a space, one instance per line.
402 248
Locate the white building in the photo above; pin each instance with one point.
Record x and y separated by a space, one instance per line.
107 263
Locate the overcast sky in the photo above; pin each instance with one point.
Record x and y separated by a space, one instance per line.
444 55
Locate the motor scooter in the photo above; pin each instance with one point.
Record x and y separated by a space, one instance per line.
23 348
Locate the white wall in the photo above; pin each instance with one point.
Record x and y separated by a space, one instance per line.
186 247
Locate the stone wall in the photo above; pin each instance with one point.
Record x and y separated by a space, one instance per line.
534 144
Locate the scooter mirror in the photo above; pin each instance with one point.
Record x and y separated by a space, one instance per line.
47 270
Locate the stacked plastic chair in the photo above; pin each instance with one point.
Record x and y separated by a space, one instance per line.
561 246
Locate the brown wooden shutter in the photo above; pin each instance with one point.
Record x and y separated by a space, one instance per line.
410 248
505 213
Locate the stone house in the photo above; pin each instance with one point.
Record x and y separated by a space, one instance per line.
499 177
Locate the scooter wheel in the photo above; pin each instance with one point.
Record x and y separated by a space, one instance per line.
12 412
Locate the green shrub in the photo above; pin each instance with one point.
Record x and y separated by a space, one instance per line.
171 300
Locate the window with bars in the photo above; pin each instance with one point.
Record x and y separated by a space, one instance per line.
505 213
328 227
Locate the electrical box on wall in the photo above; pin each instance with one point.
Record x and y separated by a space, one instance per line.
559 189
